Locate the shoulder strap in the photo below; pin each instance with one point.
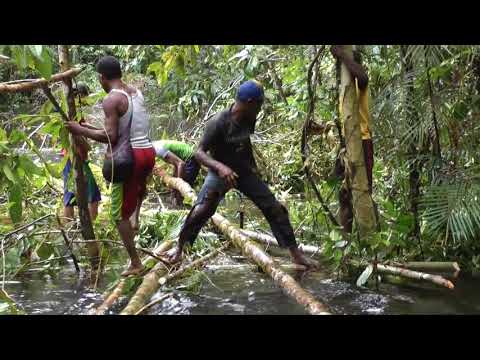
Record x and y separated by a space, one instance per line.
130 100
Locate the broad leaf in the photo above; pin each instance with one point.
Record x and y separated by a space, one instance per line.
362 279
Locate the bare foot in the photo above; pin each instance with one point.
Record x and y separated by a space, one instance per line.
133 270
299 258
173 256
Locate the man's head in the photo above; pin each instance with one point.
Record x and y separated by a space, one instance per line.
250 97
81 89
108 69
357 55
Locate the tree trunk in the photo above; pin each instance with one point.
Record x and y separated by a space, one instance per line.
355 170
80 180
255 253
412 119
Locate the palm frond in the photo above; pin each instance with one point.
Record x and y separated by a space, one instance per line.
453 210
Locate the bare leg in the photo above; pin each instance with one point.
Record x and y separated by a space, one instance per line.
126 233
93 207
135 218
68 214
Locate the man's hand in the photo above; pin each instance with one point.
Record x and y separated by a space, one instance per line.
74 127
336 51
228 175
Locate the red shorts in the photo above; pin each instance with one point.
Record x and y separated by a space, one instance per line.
125 196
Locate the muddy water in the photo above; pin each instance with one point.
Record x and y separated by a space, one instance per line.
243 290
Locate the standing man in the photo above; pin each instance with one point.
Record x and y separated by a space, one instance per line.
180 155
122 103
231 165
360 75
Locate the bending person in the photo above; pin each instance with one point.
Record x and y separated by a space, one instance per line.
231 165
180 155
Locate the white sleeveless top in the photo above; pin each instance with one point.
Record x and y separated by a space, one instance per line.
140 121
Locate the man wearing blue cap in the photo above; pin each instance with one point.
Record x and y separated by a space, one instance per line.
231 165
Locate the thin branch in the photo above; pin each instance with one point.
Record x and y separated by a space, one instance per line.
38 83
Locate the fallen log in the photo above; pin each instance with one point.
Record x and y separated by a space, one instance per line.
437 266
436 279
400 270
152 281
255 253
149 305
117 291
38 83
147 288
270 240
285 267
163 280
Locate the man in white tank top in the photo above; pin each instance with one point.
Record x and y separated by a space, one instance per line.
122 103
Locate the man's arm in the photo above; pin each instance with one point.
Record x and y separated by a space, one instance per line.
110 134
174 160
204 159
357 70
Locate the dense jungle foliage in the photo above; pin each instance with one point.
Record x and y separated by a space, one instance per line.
424 109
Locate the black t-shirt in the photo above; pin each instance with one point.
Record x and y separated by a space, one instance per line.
228 141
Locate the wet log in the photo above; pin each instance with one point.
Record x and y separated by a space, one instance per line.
155 278
117 291
270 240
38 83
436 266
400 270
194 264
436 279
256 254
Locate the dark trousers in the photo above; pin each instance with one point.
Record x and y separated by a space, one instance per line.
192 168
213 191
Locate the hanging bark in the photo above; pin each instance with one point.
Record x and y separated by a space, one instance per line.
255 253
31 84
80 179
355 170
414 171
117 291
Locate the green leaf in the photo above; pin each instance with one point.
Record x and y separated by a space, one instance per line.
36 50
44 64
45 251
3 135
29 166
15 199
8 173
362 279
16 136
